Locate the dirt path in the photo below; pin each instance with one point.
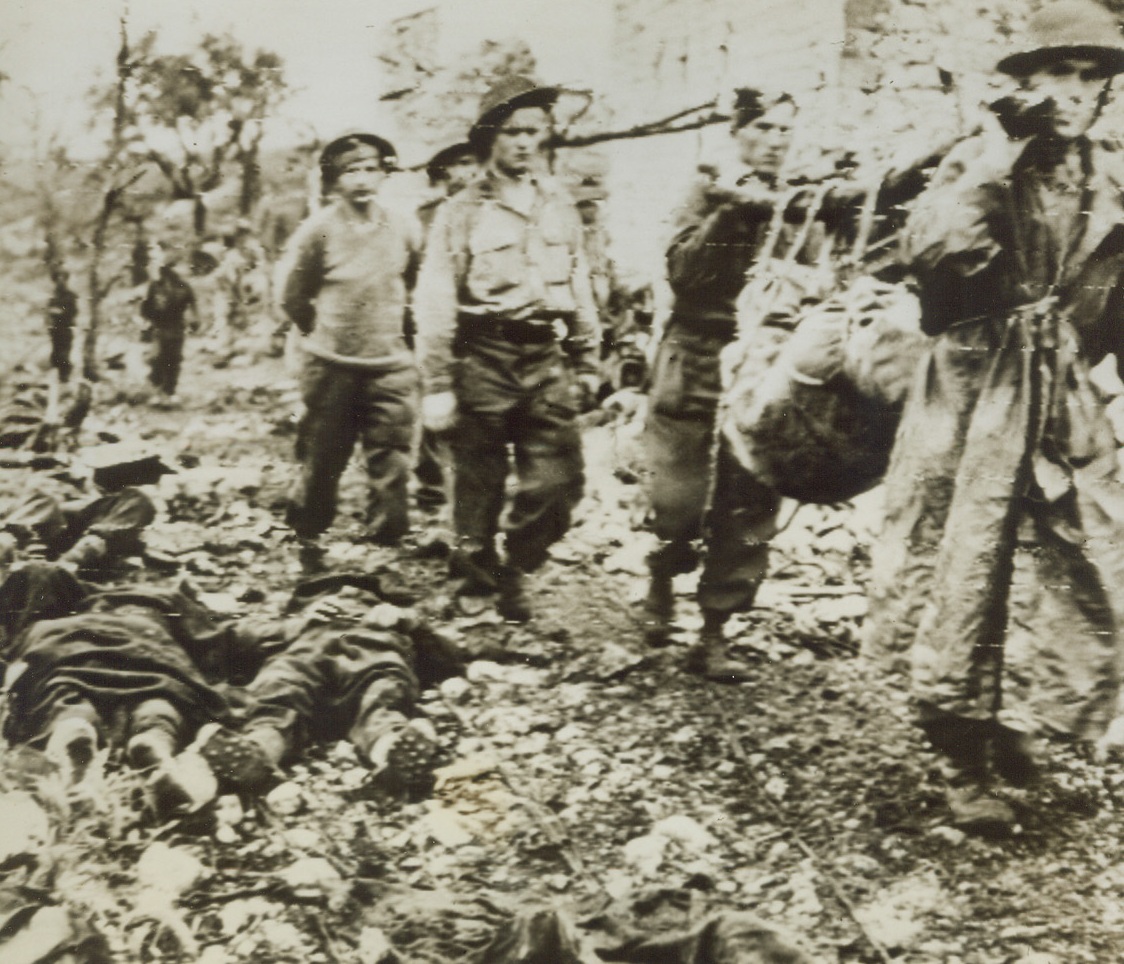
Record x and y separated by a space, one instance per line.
586 772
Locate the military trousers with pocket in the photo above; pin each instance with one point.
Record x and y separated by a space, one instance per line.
697 489
343 405
515 402
331 685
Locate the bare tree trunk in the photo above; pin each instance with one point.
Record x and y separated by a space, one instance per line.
250 192
199 216
251 183
97 287
111 199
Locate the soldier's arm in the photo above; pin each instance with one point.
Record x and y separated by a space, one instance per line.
708 225
435 305
300 276
584 341
191 311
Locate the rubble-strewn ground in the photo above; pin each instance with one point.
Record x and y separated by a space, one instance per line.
584 772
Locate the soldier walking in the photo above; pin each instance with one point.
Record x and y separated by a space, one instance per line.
503 297
166 307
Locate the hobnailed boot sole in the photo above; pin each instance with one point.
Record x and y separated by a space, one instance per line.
407 758
73 746
241 764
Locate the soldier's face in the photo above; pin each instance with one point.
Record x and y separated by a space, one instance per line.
358 183
763 144
460 174
1074 86
519 140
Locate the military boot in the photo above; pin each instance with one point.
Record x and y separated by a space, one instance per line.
1013 757
312 556
964 745
405 757
974 808
513 603
658 610
709 658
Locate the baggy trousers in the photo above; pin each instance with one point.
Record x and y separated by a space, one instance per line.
431 469
331 684
697 489
343 405
514 400
167 359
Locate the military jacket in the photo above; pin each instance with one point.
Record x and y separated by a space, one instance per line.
489 261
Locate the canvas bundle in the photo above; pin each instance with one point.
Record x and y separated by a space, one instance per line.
814 413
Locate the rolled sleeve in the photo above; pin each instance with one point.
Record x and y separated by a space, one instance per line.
585 338
435 307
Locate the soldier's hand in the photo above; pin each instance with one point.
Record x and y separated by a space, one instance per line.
587 388
729 362
439 411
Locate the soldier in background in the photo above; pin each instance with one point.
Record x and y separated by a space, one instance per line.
450 170
625 316
503 297
697 489
167 307
588 196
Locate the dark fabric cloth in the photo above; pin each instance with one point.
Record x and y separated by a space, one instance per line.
62 312
343 405
167 359
430 470
716 242
522 397
34 592
114 650
62 341
165 306
328 683
167 301
698 490
127 659
62 309
999 571
119 518
338 679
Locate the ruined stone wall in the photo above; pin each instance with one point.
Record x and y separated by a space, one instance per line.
880 82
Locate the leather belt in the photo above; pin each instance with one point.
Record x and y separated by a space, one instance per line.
536 330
